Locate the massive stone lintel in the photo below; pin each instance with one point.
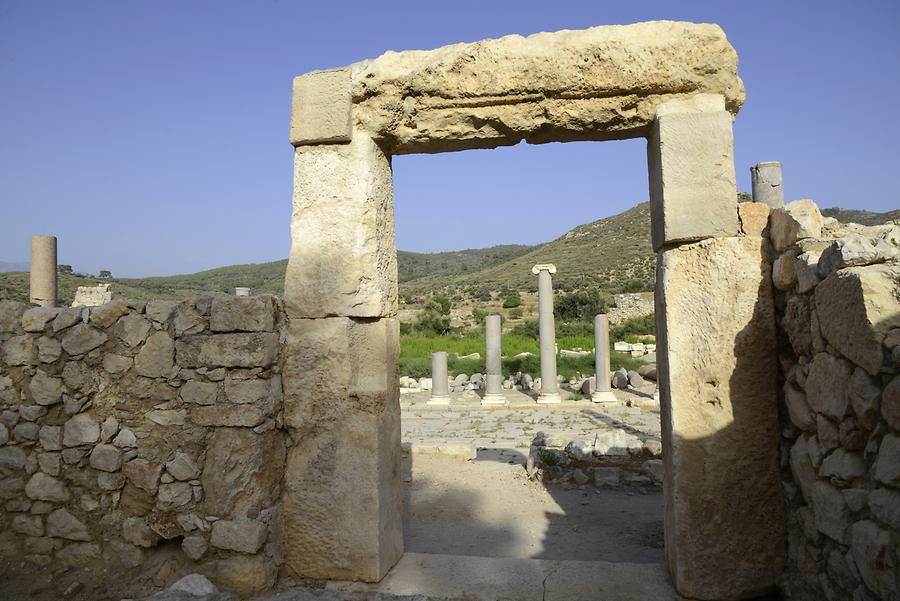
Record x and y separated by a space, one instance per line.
343 260
602 83
724 506
342 487
690 159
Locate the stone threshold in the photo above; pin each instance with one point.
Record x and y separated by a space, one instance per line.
514 579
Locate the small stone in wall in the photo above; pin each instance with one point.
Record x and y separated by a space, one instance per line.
81 339
49 463
36 318
245 536
80 429
182 467
874 557
844 466
25 431
200 393
137 532
827 384
795 221
110 482
167 417
125 439
27 525
123 554
78 554
194 546
887 466
62 524
45 389
132 330
156 358
832 517
49 349
117 364
143 474
890 403
46 488
106 457
173 495
108 429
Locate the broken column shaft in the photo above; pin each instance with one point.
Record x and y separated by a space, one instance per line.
43 271
547 331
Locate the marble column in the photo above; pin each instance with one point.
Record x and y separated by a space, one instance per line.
43 271
765 179
603 390
493 392
440 390
547 330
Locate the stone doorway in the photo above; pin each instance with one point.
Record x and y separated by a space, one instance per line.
676 85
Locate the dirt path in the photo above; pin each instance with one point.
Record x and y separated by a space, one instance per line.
489 508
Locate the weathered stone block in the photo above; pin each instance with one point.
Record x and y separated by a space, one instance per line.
794 221
34 319
693 194
45 389
754 217
228 415
81 339
244 536
228 350
200 393
321 108
107 314
827 385
342 494
132 329
601 83
242 471
235 314
20 350
343 260
718 374
80 429
857 307
156 358
42 487
62 524
245 575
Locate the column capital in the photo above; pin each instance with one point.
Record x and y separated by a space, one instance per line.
543 267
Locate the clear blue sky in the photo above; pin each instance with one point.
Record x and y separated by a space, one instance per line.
151 137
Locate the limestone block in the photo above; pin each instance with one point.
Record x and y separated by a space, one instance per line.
12 457
49 349
173 495
160 311
865 393
136 531
234 314
887 467
68 318
11 313
34 319
143 474
794 221
228 350
42 487
247 391
718 377
81 339
321 108
51 438
857 307
242 471
807 270
245 575
62 524
343 493
875 558
201 393
80 429
45 389
106 458
600 83
183 467
156 358
854 251
692 184
343 260
228 415
117 364
20 350
107 314
827 385
798 408
754 217
832 514
194 546
132 329
243 535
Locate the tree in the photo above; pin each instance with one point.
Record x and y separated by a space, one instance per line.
580 306
64 269
433 319
512 300
105 274
444 301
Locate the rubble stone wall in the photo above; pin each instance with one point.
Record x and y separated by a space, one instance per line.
838 303
132 428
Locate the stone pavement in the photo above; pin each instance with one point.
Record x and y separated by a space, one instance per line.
466 422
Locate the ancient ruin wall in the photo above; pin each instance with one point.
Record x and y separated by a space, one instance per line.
838 305
134 427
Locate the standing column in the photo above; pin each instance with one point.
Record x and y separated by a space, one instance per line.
440 390
547 330
493 392
765 179
43 271
603 390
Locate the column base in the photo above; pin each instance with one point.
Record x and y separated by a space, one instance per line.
604 396
493 399
438 400
549 398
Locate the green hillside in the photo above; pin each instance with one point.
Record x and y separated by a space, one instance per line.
861 217
614 253
411 266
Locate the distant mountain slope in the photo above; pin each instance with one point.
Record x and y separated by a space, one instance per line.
412 265
609 252
861 217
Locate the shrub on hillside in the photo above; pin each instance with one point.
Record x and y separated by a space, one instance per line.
581 305
512 300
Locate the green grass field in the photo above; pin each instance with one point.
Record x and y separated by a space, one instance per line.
416 349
